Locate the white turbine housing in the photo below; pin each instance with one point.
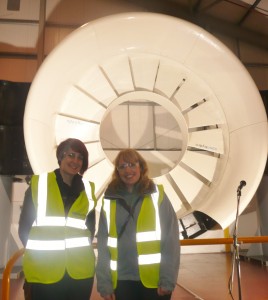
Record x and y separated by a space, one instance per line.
180 67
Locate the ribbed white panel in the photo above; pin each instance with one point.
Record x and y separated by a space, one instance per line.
191 92
66 127
209 140
206 114
78 104
188 184
247 145
117 69
203 164
100 173
180 207
95 152
169 78
96 85
144 69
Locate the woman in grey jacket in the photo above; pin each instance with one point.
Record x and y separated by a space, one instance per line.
138 236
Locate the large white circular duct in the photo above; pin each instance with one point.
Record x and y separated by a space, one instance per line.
158 58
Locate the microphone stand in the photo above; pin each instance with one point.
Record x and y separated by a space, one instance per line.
235 258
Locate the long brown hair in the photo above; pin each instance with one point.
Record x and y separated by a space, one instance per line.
130 155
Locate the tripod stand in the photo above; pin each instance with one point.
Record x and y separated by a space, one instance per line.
235 257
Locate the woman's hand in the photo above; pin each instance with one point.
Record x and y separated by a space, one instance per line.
109 297
163 292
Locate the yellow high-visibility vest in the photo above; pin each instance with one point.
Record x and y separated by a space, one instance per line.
148 238
58 244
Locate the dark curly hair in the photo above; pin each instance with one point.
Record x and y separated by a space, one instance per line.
75 145
130 155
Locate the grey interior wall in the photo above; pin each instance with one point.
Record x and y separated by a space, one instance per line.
5 217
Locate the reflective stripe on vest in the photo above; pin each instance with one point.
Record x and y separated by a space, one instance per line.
141 237
155 235
149 259
112 241
58 244
149 236
43 220
113 265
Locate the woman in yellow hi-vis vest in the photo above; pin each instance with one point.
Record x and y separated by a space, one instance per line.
138 236
57 225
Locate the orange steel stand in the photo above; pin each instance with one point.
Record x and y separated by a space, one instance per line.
6 274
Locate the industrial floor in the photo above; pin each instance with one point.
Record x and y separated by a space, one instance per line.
204 276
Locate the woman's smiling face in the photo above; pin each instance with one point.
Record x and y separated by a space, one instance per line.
129 172
71 163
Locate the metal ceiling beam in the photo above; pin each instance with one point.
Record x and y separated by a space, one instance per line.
249 11
170 7
207 6
41 35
